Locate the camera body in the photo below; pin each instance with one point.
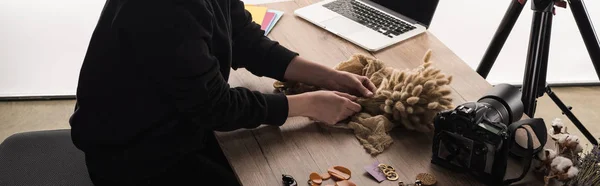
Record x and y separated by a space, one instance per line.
465 139
474 137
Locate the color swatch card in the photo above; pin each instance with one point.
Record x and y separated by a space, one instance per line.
258 13
276 16
267 20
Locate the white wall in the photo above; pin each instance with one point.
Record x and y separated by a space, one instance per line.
467 28
42 43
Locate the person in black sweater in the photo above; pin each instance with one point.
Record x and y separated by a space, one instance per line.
153 89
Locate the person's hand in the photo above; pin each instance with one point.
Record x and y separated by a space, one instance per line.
328 107
304 71
350 83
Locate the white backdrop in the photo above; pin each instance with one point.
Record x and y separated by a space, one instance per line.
467 27
42 43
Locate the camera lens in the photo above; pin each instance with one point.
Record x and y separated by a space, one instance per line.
505 103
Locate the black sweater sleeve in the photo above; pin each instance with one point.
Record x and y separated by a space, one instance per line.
171 49
253 50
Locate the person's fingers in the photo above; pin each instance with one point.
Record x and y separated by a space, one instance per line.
355 107
346 95
346 113
366 82
362 89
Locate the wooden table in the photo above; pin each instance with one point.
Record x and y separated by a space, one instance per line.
260 156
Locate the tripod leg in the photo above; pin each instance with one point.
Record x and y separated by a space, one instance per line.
571 116
493 50
537 56
587 32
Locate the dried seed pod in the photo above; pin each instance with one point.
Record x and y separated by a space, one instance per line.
449 79
433 105
440 76
412 100
417 90
396 95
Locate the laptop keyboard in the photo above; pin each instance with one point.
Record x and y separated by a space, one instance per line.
370 17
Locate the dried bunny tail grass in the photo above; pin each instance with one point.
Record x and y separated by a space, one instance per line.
435 72
445 91
396 95
409 87
412 100
442 82
386 93
427 65
427 56
404 96
428 71
429 85
399 106
398 87
433 105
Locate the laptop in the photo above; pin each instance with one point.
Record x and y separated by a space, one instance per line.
371 24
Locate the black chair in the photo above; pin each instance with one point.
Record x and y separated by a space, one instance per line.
42 158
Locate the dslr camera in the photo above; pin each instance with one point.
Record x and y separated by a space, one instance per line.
477 137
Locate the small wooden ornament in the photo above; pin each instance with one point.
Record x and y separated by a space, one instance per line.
315 178
426 179
325 176
339 172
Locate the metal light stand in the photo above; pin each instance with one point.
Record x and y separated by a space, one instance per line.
534 81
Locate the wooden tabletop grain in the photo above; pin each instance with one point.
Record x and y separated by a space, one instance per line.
260 156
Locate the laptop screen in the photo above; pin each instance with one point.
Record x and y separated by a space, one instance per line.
418 10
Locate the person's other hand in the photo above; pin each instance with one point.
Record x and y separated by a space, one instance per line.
328 107
350 83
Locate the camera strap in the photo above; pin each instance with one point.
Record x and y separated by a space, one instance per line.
539 129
